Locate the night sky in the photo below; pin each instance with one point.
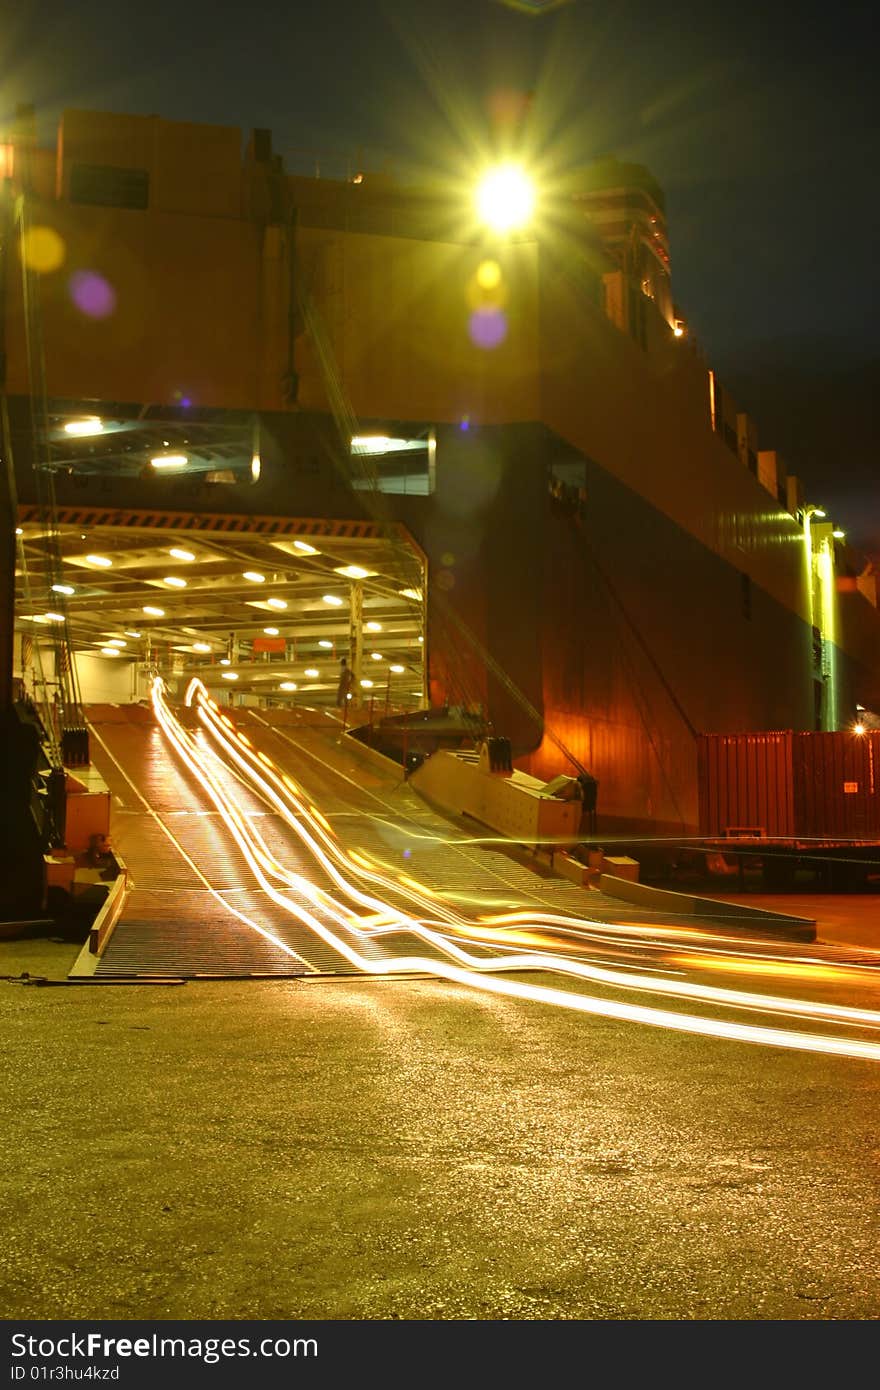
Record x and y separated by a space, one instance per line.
760 122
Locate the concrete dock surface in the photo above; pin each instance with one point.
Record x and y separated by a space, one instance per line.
359 1149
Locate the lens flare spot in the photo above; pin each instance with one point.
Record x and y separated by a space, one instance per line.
43 250
92 294
489 275
487 328
485 297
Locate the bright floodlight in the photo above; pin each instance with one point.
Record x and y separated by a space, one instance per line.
505 198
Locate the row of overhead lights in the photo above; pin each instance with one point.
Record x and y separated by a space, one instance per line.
310 674
202 647
174 581
93 425
206 648
310 671
152 611
253 576
115 644
114 647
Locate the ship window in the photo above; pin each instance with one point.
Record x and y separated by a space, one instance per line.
394 464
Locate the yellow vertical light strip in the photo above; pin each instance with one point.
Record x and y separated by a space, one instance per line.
828 608
808 569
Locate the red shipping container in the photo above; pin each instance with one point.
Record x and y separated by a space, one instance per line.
782 783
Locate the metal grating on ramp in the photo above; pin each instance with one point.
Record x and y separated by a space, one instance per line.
159 948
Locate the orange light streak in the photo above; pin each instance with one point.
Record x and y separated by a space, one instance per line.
795 970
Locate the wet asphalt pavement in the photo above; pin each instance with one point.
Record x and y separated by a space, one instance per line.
380 1150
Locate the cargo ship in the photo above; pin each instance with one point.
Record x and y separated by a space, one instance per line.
576 534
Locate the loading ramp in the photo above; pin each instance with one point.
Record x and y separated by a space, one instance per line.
192 910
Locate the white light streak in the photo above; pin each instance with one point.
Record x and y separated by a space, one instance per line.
458 964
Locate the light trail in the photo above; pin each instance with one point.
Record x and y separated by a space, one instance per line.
615 937
225 904
535 960
459 965
660 936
